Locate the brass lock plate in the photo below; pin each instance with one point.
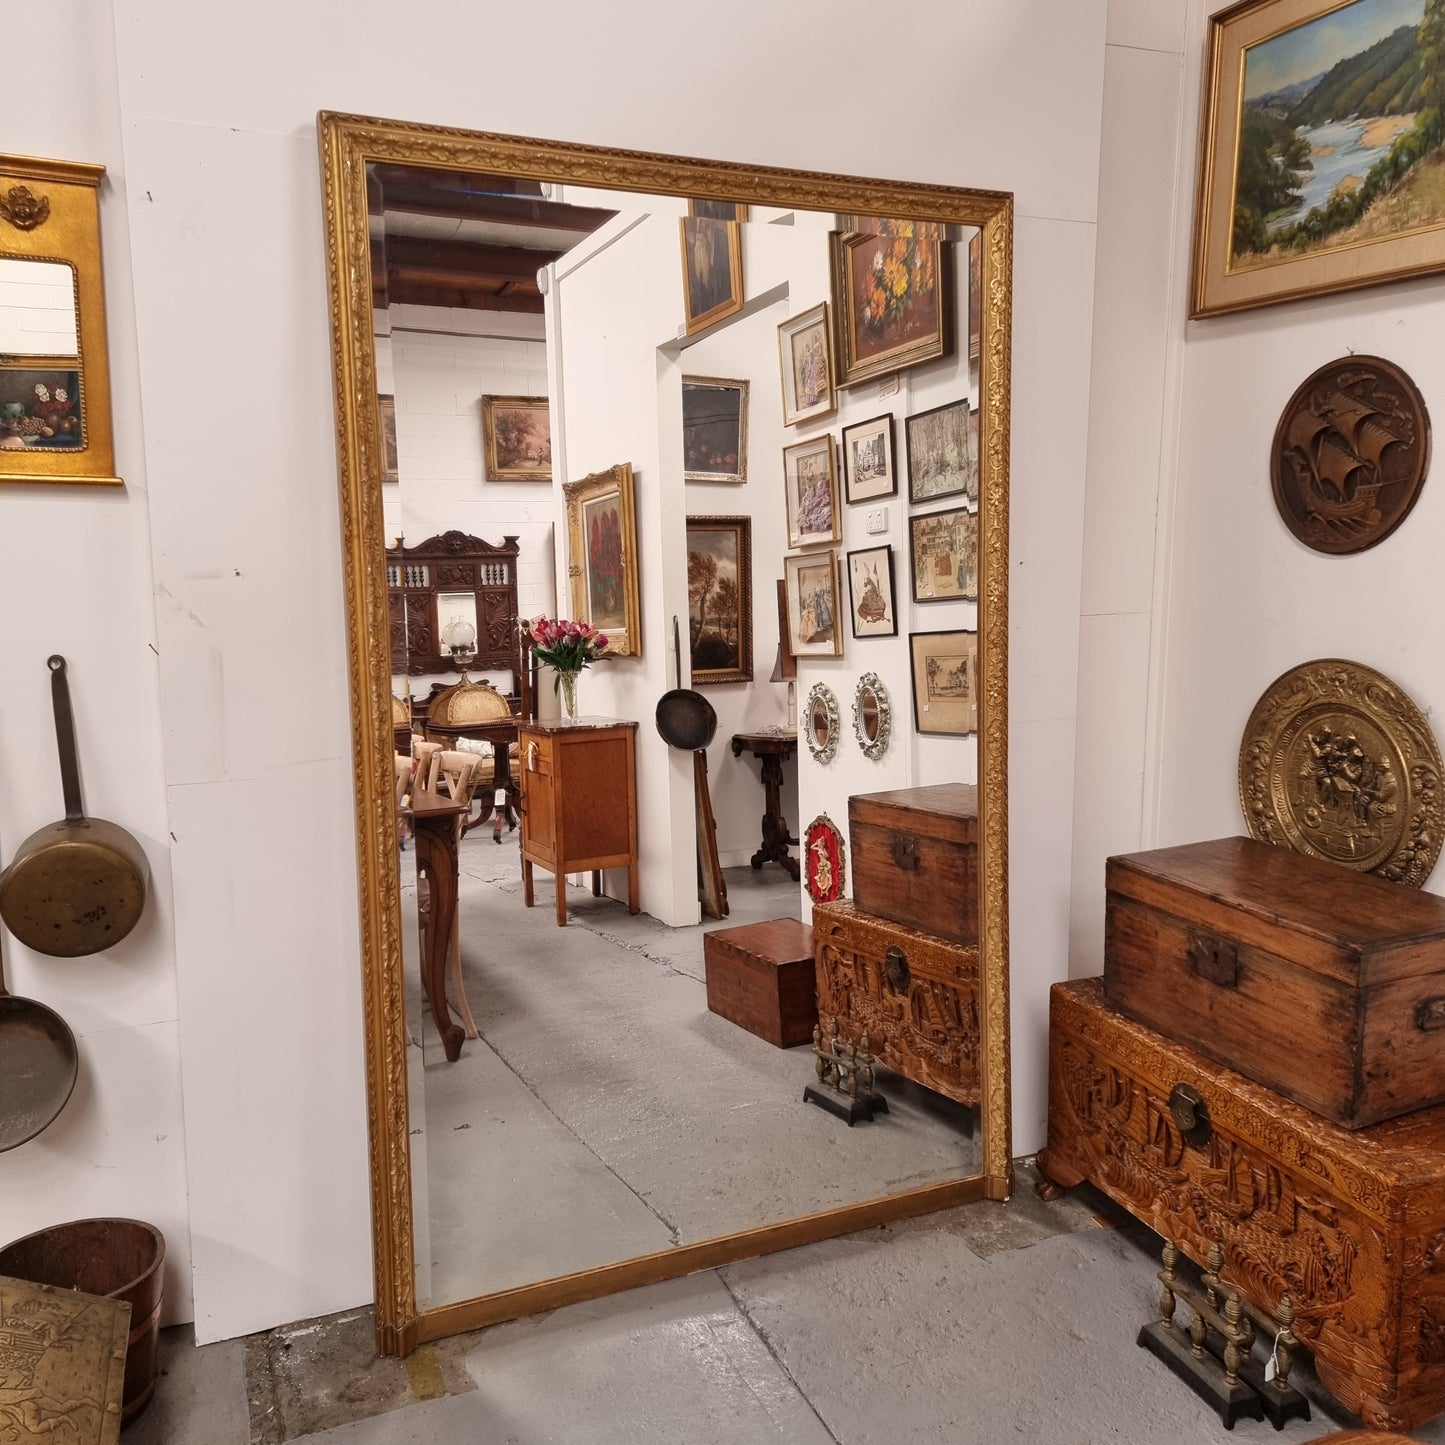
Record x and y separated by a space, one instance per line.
1190 1114
905 853
895 965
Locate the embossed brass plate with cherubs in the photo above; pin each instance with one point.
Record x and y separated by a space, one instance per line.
1337 762
1349 454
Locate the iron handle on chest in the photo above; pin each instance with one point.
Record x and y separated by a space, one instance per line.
1430 1014
1213 958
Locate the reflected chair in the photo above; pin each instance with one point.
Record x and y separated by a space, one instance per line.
478 712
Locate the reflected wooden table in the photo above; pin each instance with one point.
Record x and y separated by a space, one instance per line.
772 750
434 825
501 733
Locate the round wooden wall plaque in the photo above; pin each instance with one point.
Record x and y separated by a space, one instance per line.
1338 763
1350 454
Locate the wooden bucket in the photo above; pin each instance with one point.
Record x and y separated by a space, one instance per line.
121 1258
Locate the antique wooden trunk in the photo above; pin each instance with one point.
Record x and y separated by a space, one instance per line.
1349 1223
915 857
761 977
913 994
1323 983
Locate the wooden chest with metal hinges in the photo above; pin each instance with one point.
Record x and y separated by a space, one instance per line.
915 857
1323 983
1350 1224
915 995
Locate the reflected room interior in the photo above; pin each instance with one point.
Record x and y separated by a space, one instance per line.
578 1096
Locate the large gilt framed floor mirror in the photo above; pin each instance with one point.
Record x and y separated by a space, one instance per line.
627 389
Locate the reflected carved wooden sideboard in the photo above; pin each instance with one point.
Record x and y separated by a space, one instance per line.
579 801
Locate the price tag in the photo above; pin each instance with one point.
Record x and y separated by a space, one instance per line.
888 386
499 798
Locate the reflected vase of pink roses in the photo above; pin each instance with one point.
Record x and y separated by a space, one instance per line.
566 647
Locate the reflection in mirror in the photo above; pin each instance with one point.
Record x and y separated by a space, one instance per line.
872 716
585 1095
39 356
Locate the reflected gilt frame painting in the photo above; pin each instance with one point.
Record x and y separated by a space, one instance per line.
602 557
1322 145
712 270
720 599
517 438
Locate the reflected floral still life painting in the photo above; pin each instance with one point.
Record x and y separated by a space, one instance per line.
39 409
888 295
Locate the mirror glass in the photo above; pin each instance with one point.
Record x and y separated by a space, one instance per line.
590 1106
870 715
39 356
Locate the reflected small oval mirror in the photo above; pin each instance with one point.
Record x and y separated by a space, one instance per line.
872 716
821 733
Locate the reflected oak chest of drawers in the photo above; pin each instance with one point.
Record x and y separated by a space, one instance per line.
1350 1223
579 801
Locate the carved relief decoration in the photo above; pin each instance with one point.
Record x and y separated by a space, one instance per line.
1337 762
920 1011
23 208
1350 454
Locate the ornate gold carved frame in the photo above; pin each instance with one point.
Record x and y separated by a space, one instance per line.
348 145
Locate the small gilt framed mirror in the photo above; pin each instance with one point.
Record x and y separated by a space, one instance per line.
55 423
872 716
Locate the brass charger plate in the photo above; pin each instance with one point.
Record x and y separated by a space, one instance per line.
1350 454
1338 763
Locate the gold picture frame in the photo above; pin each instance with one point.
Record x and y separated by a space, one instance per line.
815 623
810 492
805 365
602 557
945 682
883 327
55 410
712 270
517 438
349 144
720 570
1297 161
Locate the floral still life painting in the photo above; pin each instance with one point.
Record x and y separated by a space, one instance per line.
602 556
890 303
1324 162
39 409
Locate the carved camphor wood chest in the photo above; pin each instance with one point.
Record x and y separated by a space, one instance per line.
915 857
1349 1224
915 995
1323 983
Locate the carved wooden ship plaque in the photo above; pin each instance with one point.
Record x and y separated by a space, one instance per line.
1350 454
62 1364
1337 762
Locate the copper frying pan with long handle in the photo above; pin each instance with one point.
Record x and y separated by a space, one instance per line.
79 885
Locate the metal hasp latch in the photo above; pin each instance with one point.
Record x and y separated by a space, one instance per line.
895 965
1213 958
1190 1114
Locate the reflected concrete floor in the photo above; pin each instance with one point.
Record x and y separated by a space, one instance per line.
605 1112
995 1322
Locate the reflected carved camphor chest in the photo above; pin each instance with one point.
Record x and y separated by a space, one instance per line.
915 995
1349 1223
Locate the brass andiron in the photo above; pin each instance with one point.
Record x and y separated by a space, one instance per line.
846 1070
1214 1357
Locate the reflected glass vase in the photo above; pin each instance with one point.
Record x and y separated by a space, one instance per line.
567 687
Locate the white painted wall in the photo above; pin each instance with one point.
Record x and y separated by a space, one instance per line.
222 196
75 578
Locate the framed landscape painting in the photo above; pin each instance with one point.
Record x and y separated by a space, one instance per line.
1322 153
810 484
869 465
602 557
386 416
814 629
891 301
945 682
714 429
805 363
517 438
943 453
712 270
720 598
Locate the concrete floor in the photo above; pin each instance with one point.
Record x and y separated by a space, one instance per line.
605 1112
993 1322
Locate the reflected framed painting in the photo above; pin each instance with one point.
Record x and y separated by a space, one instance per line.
814 629
810 485
517 438
712 270
602 557
386 419
945 682
720 598
805 364
714 429
944 550
892 300
871 599
869 460
943 453
1322 153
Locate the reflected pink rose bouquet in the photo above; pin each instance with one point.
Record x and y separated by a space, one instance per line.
564 646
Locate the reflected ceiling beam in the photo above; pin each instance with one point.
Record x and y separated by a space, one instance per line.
445 273
464 196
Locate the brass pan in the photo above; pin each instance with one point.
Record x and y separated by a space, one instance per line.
38 1065
77 886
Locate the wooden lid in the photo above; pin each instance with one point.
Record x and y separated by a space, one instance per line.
944 810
